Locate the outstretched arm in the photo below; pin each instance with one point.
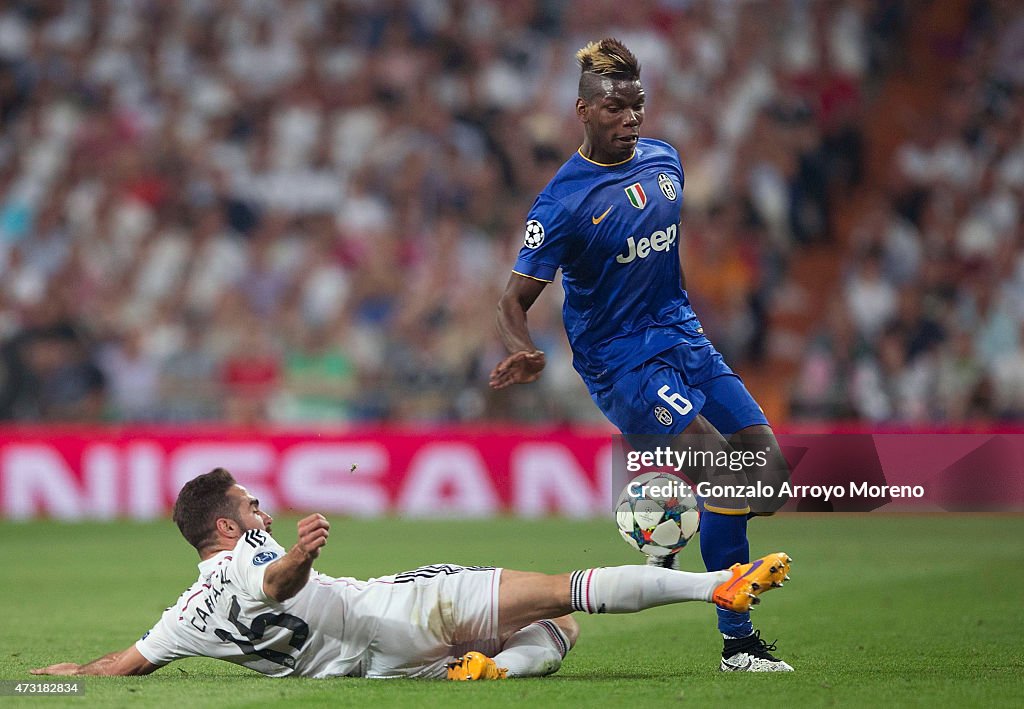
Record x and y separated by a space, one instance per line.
286 576
126 662
525 361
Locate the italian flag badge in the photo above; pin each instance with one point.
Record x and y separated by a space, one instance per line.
637 196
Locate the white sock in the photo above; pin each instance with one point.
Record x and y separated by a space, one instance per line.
533 651
628 589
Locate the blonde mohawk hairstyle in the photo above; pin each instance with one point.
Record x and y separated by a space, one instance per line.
608 57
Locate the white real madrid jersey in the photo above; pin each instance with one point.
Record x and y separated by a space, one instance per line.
322 631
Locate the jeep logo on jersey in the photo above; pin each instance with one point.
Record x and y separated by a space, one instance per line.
663 415
264 557
534 234
637 196
667 188
660 240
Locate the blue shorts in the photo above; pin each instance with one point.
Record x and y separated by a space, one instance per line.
667 392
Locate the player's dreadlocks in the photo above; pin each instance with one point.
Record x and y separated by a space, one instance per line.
606 58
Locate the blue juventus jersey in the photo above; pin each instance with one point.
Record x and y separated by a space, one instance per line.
614 232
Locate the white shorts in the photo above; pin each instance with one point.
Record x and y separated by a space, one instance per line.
435 613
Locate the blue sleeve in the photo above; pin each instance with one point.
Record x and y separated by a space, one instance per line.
679 164
549 236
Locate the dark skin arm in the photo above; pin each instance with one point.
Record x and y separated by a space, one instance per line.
525 362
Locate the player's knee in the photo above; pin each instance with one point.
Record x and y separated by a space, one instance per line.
771 470
777 474
774 478
568 625
776 465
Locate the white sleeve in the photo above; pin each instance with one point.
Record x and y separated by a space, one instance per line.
160 645
253 553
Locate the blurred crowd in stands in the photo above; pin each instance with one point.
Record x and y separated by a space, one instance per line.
929 325
304 211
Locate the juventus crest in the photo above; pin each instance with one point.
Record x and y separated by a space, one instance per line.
667 188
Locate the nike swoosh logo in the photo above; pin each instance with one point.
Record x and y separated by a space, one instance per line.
597 220
738 668
752 569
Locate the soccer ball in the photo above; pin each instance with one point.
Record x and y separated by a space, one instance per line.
657 514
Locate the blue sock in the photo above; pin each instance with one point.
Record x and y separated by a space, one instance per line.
723 542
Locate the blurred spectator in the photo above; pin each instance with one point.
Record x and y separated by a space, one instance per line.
190 388
870 297
922 333
66 383
286 193
822 389
133 378
251 373
319 379
935 287
958 378
887 387
1008 381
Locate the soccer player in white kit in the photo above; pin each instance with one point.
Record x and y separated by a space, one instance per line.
260 606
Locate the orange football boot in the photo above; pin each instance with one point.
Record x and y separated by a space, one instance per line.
473 666
749 581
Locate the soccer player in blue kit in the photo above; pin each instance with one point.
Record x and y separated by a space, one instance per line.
609 219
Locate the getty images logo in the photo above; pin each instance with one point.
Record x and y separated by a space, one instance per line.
660 240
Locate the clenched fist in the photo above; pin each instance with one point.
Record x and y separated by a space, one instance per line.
313 533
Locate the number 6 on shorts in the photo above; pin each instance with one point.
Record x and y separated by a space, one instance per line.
676 400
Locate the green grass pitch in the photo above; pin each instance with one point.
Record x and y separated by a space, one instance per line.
897 610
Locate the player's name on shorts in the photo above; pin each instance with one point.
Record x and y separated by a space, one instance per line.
853 489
